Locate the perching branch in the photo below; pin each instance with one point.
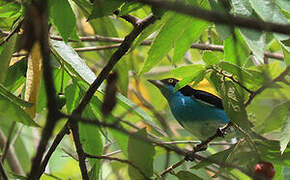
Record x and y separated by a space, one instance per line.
219 18
169 147
280 78
200 147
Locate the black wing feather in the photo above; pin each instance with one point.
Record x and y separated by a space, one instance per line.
203 96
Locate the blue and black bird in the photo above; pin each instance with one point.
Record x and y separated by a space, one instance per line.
199 112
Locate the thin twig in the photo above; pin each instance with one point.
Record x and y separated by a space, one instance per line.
129 18
10 34
217 17
201 46
2 172
281 78
113 153
97 48
234 80
120 160
172 167
11 158
8 142
81 154
198 142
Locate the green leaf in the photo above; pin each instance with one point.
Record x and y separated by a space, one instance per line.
141 154
285 133
186 175
195 77
150 29
11 9
89 134
211 58
5 56
276 117
13 98
62 17
219 157
129 7
190 35
72 93
254 39
9 111
268 11
104 8
235 50
233 100
67 55
286 56
91 139
283 4
186 71
165 40
240 72
16 75
223 30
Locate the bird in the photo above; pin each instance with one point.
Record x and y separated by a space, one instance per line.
199 112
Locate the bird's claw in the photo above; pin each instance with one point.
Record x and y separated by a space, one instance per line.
220 132
200 147
189 156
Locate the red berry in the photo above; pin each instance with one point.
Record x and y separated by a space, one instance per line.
264 171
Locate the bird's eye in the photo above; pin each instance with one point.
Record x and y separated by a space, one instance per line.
170 81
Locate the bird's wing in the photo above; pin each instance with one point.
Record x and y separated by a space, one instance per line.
203 97
208 98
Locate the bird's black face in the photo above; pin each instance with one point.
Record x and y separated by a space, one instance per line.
166 86
161 84
170 81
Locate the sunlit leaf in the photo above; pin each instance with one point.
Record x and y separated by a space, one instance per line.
9 111
165 40
285 133
62 17
5 56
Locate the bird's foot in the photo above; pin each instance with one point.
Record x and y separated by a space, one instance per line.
220 132
200 147
189 156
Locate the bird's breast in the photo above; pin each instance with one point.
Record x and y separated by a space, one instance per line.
198 118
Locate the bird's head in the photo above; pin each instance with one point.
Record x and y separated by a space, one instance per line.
166 86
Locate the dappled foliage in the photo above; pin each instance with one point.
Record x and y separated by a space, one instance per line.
75 102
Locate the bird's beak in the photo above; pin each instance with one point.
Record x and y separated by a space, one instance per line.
157 83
